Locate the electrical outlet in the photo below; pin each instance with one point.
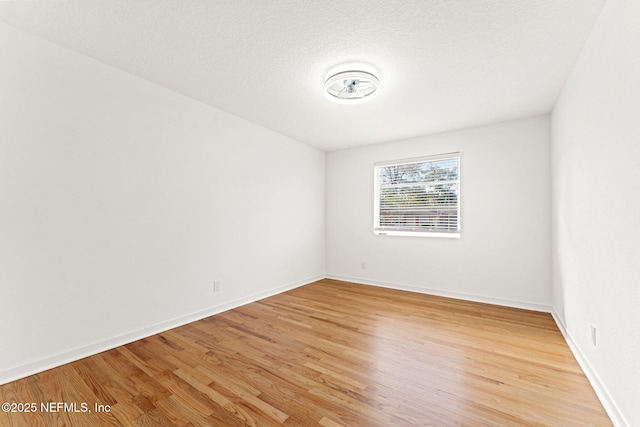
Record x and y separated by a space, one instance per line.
363 265
593 335
217 285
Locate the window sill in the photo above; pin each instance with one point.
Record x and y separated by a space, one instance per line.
416 234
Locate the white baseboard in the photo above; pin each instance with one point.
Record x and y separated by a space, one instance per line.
617 418
448 294
49 362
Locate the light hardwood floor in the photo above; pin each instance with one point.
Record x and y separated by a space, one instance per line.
329 354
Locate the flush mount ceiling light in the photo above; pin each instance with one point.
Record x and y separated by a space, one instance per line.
351 87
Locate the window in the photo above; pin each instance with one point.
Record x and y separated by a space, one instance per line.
418 197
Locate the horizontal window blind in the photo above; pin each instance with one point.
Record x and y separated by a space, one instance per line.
418 195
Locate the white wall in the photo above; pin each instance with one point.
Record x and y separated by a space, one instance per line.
121 202
503 255
596 207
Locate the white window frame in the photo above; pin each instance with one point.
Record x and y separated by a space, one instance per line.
414 231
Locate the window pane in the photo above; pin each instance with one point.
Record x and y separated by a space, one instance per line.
418 195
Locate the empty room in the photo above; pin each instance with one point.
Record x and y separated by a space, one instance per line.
357 213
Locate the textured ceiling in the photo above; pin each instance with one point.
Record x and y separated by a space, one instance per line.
442 64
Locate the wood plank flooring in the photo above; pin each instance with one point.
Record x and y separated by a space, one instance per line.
328 354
